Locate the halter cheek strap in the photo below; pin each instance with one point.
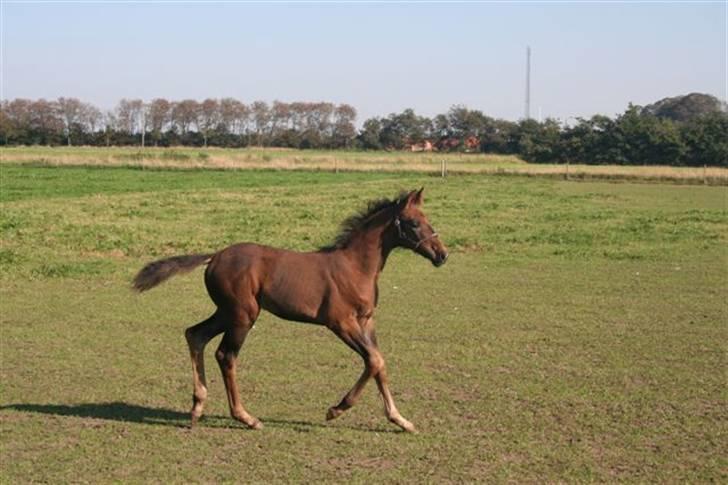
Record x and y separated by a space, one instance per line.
434 234
403 235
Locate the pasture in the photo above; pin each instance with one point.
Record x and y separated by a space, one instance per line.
577 333
352 161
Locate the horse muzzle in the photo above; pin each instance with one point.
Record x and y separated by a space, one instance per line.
440 258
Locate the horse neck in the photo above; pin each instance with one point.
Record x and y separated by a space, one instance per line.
370 247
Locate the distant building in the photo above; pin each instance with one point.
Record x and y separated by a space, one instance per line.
469 144
424 146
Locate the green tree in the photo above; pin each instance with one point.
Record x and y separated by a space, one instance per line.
649 140
369 135
540 142
685 108
400 129
594 141
706 140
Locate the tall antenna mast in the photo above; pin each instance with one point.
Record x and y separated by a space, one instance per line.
528 82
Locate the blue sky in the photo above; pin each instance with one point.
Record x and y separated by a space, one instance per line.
587 58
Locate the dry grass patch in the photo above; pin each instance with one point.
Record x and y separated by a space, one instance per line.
334 161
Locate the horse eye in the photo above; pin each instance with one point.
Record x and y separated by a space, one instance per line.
415 223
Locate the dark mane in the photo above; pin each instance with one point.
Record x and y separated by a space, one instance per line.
356 222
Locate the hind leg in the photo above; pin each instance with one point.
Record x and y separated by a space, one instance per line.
197 337
227 354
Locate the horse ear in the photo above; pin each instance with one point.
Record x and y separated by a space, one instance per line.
415 197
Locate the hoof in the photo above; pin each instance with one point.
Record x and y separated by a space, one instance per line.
249 421
256 424
404 424
409 428
333 413
198 402
195 417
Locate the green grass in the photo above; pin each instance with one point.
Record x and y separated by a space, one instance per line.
18 182
576 334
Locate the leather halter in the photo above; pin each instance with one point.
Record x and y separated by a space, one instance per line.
403 235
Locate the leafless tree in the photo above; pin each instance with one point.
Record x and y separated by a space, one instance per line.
71 110
69 119
184 114
45 119
91 117
280 118
6 122
159 115
111 124
344 130
298 112
261 119
131 117
208 118
18 116
233 115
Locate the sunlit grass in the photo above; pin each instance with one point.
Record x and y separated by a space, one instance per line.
576 334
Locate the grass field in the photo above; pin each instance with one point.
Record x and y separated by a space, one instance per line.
335 161
577 333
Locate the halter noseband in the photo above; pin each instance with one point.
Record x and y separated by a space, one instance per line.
402 235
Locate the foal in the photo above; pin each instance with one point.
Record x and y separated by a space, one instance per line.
335 286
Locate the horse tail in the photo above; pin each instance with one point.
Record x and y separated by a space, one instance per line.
160 271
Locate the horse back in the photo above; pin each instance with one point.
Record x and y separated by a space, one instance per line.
292 285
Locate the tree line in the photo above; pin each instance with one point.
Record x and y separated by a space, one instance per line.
223 122
686 130
689 130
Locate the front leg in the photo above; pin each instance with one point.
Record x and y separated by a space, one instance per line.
351 397
362 339
351 333
389 407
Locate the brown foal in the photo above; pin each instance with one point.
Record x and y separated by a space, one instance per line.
335 286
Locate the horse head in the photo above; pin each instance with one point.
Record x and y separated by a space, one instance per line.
414 231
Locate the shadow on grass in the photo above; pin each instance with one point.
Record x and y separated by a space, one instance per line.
133 413
305 426
114 411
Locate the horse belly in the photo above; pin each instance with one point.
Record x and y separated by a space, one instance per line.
294 297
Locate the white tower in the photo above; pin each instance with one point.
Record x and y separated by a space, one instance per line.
528 82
